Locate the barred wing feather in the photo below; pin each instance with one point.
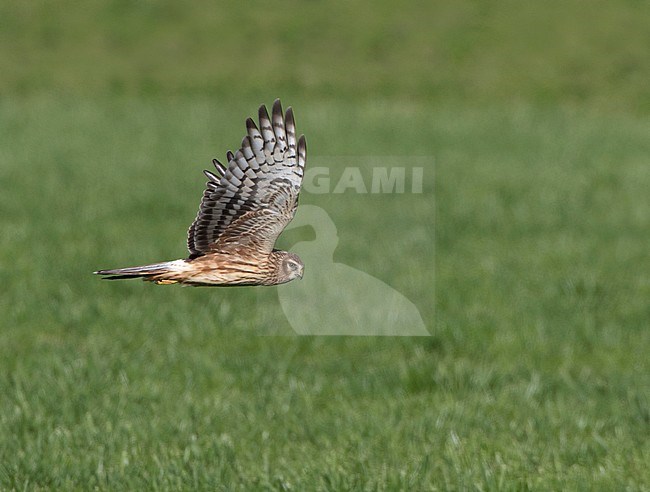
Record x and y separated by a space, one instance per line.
248 203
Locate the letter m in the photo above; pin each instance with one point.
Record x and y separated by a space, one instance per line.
385 182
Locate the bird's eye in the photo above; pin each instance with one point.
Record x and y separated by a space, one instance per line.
293 265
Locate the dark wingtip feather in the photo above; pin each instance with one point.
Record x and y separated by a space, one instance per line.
211 176
302 151
277 107
263 114
290 126
250 124
230 156
279 126
221 169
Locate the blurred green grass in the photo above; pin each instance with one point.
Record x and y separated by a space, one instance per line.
527 255
478 52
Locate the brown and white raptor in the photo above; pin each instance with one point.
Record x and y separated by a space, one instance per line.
245 207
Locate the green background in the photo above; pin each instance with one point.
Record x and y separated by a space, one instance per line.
527 255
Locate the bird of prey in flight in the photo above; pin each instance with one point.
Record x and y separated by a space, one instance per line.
246 205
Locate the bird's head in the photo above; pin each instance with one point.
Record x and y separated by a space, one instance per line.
290 267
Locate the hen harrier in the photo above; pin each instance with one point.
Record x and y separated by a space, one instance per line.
245 207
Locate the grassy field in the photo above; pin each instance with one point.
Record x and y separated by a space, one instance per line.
526 253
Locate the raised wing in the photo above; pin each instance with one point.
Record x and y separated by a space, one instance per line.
247 204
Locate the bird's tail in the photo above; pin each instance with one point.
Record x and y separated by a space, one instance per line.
161 273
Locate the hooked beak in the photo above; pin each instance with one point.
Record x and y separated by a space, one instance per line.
302 270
